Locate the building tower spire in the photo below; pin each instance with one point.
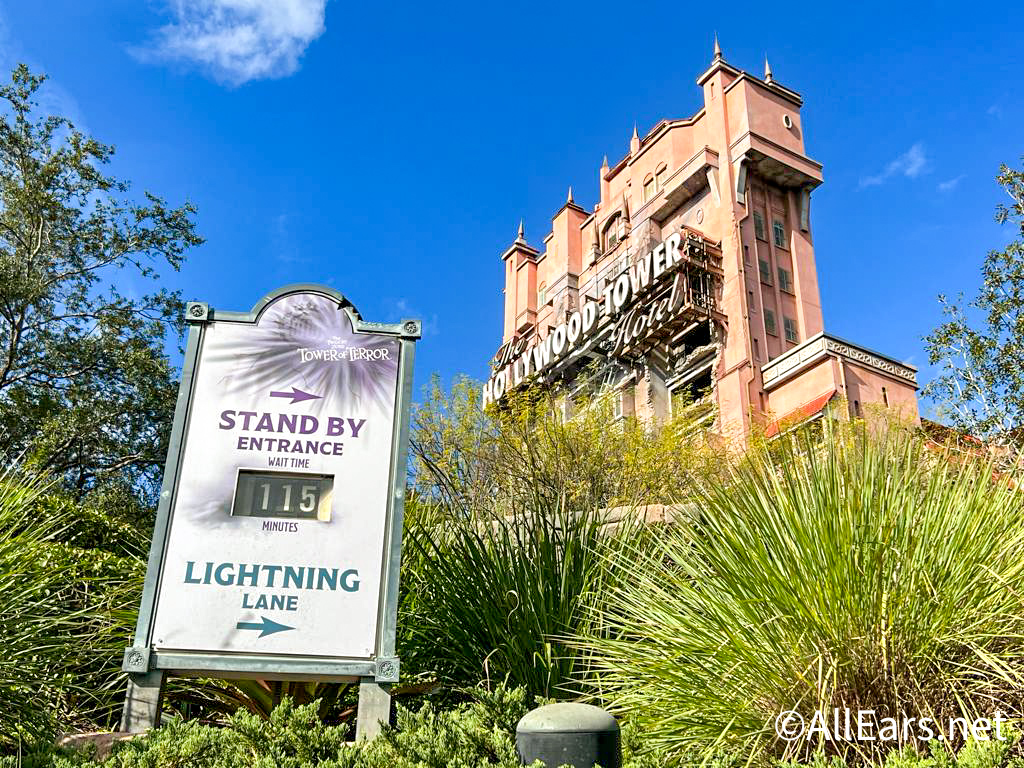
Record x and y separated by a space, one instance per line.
767 70
569 199
634 142
718 49
521 237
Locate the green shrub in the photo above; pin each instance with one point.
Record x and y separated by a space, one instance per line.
478 733
869 572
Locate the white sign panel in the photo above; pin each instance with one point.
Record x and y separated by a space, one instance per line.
277 530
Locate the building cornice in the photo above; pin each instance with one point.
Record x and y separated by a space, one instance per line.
652 137
821 346
572 206
779 90
717 65
528 251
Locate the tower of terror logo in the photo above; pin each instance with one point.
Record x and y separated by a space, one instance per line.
338 351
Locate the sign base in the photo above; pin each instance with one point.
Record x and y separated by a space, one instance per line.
374 709
142 702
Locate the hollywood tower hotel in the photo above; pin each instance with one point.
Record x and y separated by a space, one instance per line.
694 273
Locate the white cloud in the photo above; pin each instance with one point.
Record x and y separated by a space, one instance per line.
950 184
995 110
910 164
240 40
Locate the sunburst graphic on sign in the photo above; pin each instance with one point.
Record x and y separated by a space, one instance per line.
307 341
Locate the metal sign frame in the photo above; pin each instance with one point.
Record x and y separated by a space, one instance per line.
146 665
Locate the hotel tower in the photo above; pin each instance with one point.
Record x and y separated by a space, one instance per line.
694 277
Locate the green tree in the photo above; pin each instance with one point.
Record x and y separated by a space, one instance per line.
86 390
980 346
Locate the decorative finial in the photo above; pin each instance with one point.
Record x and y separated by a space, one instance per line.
604 163
635 135
569 199
521 237
767 70
718 48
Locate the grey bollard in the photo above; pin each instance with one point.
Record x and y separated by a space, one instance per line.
578 735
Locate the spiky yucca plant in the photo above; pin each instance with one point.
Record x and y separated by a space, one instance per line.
489 600
54 613
870 572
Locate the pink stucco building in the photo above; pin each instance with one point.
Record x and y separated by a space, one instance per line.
695 273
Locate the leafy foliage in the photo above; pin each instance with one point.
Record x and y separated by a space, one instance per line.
515 515
870 572
475 462
58 645
981 385
477 733
85 387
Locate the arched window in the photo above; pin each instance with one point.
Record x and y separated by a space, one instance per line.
648 188
610 238
659 177
542 295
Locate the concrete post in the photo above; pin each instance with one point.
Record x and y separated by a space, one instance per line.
142 702
374 709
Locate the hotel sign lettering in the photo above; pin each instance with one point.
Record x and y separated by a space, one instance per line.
631 306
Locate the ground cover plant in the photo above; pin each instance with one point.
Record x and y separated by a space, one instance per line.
869 571
477 733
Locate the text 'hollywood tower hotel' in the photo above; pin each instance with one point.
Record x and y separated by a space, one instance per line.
694 273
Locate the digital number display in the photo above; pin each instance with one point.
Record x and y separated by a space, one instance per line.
283 495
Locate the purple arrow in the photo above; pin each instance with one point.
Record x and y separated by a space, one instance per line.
297 395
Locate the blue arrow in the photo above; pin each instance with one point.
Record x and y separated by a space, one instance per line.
268 627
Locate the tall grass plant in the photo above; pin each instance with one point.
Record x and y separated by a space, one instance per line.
869 571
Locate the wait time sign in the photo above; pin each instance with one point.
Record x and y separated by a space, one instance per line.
276 547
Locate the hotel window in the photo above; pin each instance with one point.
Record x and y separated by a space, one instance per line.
779 230
885 397
789 324
611 232
765 270
769 322
785 281
759 226
659 177
542 295
648 188
757 350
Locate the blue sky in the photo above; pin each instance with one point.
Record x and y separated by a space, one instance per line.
390 150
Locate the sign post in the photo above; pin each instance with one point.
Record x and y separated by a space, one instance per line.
278 536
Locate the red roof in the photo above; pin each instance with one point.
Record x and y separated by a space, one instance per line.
804 412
